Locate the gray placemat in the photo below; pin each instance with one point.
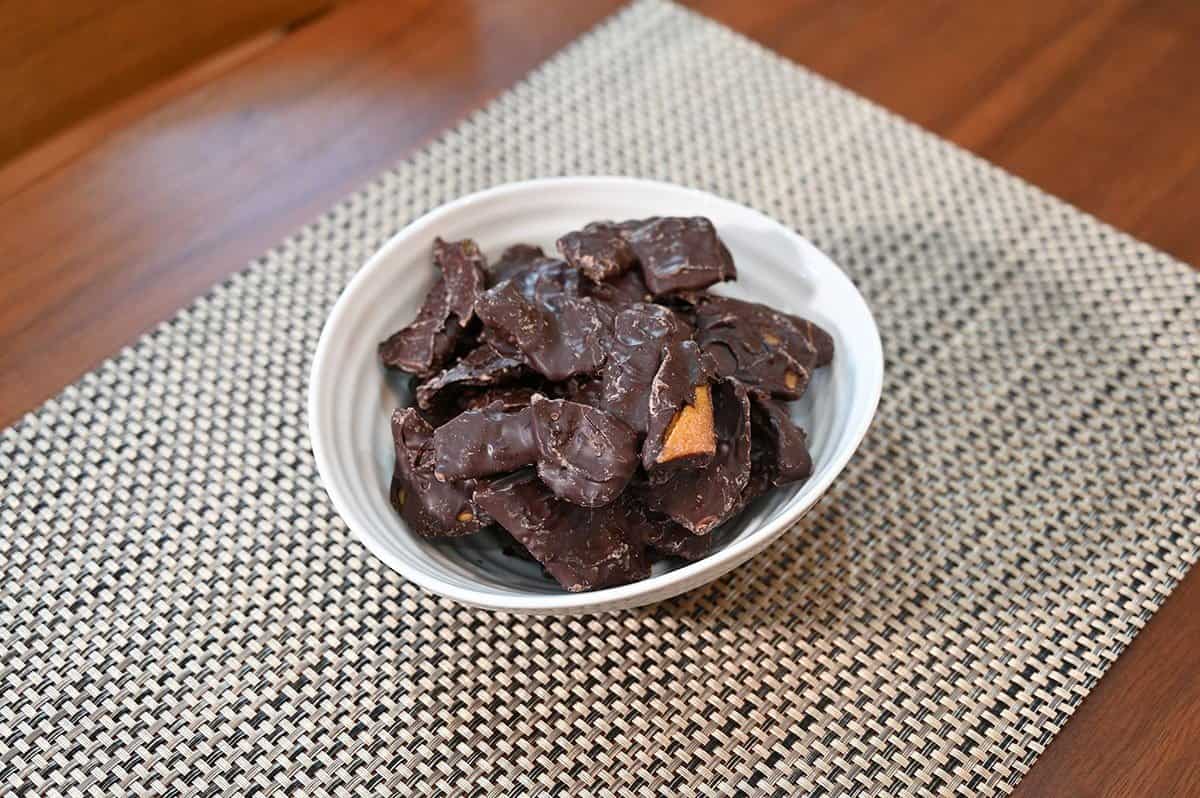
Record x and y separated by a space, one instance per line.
183 613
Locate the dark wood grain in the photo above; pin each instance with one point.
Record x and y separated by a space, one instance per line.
1096 101
64 59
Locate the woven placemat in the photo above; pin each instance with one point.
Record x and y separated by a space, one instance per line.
183 613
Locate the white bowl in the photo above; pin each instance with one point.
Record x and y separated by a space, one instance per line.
351 398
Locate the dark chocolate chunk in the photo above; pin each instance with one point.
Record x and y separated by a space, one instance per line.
701 498
545 280
584 390
598 250
663 536
778 444
641 333
680 427
817 338
763 348
584 455
423 346
761 463
512 547
479 443
501 345
760 478
549 279
516 258
625 289
431 508
509 397
481 367
439 414
666 537
465 273
679 254
559 335
583 548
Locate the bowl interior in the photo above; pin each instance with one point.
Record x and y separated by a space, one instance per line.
352 397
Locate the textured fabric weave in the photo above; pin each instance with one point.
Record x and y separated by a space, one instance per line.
182 613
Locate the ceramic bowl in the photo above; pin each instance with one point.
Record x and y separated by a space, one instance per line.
351 397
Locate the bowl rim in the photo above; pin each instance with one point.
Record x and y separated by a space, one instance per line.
652 588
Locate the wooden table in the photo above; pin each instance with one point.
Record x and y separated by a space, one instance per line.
111 228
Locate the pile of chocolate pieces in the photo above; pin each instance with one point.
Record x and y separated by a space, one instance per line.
601 407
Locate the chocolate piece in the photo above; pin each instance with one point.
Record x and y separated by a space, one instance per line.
666 537
544 280
679 254
584 455
584 390
761 347
762 457
680 424
559 335
583 548
502 346
509 397
704 497
439 414
516 258
423 346
778 446
512 547
661 535
641 333
625 289
818 339
760 477
479 443
465 273
481 367
548 279
598 250
431 508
